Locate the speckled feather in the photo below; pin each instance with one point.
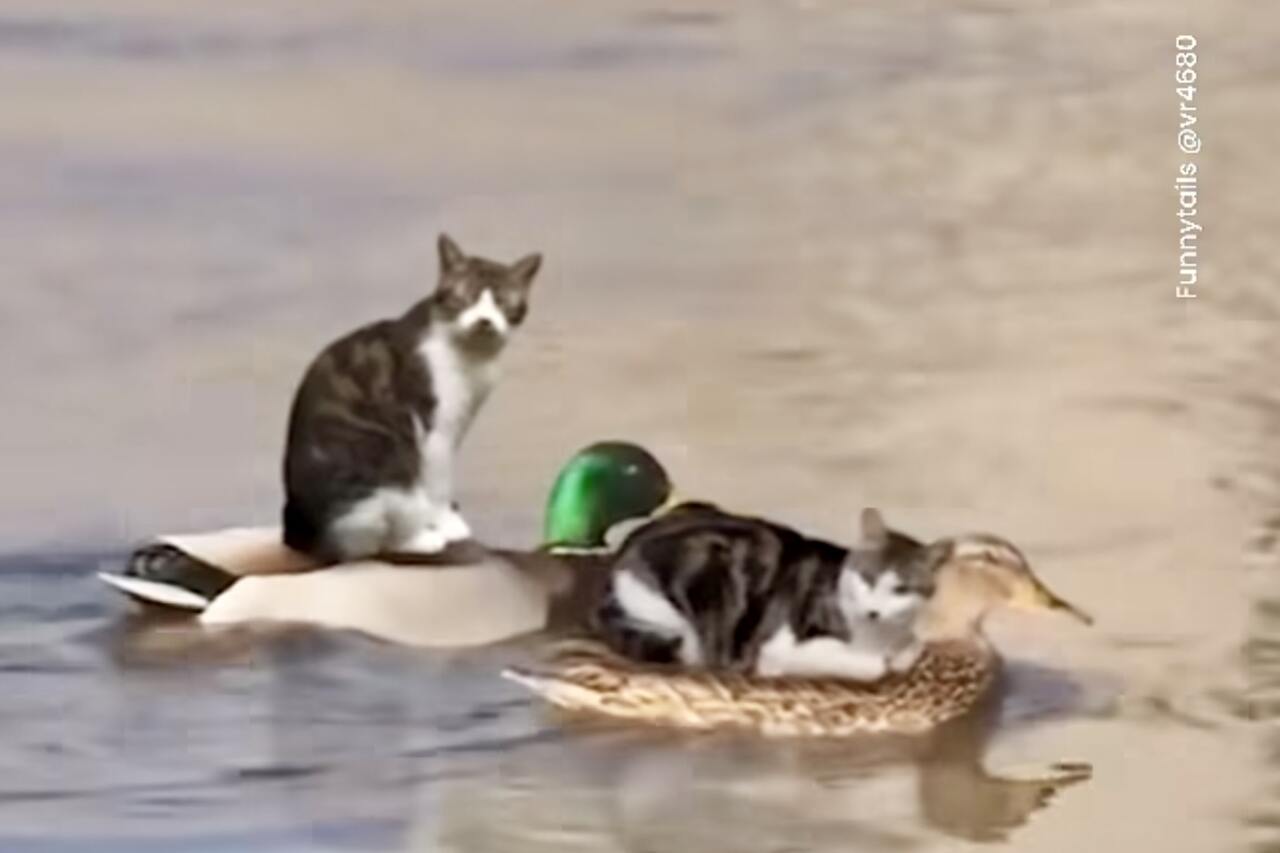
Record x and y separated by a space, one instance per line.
948 680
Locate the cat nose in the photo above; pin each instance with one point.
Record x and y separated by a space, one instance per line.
873 615
486 329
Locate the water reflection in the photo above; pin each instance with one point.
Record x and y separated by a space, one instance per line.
436 751
616 789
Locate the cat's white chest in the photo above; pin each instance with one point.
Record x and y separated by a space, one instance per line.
460 383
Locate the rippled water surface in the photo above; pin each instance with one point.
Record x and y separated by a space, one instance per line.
814 254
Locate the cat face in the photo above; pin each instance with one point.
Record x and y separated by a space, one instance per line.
482 301
885 597
889 575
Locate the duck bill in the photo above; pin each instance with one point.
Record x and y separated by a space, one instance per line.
1049 600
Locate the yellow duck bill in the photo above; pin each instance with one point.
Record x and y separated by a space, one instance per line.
1050 600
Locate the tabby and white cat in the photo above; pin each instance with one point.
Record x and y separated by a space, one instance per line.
707 588
380 413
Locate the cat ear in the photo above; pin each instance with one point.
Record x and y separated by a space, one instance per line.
451 257
526 268
874 532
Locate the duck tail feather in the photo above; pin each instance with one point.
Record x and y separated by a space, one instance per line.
155 592
160 573
537 682
559 691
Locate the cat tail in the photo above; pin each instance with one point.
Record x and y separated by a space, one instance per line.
162 574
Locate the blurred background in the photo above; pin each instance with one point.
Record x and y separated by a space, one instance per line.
815 255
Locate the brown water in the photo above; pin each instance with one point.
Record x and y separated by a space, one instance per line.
814 254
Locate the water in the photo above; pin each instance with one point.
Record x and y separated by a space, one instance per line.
815 255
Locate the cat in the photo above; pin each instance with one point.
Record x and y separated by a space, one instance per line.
707 588
381 412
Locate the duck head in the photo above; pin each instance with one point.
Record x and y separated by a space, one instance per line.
976 573
600 486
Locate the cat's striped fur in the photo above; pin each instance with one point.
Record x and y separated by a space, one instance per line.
704 587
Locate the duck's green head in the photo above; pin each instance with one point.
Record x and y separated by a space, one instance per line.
600 486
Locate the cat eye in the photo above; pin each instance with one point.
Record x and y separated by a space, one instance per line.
513 305
455 295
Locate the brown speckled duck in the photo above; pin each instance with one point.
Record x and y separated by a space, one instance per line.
958 667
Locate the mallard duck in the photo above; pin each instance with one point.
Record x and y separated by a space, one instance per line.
957 668
469 595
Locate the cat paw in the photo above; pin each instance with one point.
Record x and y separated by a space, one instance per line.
869 671
428 540
904 660
453 527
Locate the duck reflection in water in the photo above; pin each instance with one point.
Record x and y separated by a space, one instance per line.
613 788
454 758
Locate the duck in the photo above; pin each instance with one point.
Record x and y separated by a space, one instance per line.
469 595
957 670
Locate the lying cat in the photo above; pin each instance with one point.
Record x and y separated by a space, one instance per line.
380 413
707 588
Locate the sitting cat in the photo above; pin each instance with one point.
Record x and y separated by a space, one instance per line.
380 413
704 587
